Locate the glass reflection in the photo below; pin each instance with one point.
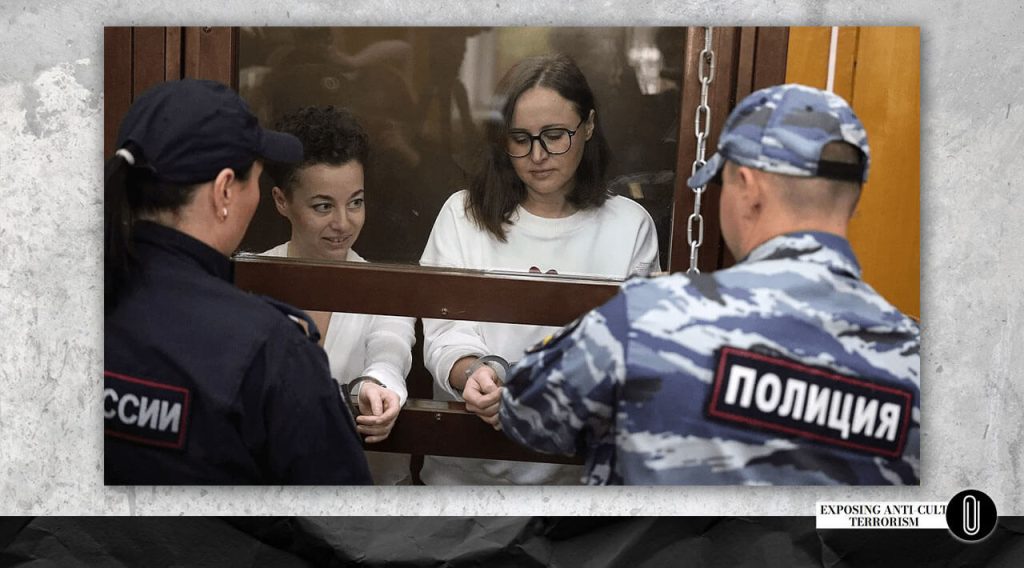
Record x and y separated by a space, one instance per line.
425 97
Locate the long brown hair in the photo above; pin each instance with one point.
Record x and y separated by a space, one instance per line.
495 190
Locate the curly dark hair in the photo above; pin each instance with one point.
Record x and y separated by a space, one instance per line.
329 135
495 190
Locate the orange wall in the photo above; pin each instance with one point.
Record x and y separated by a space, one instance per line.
878 71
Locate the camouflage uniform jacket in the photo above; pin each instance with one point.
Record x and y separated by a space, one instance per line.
783 369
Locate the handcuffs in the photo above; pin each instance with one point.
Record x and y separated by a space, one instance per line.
352 388
496 362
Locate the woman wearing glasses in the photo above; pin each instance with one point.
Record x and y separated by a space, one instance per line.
538 204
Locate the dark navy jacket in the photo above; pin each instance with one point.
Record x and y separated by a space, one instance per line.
206 384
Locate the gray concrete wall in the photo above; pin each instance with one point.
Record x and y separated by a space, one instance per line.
972 213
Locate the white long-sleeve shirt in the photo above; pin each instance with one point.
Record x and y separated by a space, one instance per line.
367 345
375 346
616 240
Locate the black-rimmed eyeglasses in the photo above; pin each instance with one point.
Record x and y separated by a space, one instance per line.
555 141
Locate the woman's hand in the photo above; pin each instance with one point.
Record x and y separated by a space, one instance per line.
378 409
483 395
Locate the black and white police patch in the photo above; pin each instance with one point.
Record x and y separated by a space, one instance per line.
764 392
145 411
555 337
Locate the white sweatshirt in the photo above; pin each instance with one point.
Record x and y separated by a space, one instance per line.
617 240
367 345
376 346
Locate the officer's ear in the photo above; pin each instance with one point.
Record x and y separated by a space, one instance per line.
224 189
751 184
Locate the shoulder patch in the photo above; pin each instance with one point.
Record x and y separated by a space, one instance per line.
299 317
145 411
555 337
770 393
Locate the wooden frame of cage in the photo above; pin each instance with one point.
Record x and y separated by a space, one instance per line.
746 59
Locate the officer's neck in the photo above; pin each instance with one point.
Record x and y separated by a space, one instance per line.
765 229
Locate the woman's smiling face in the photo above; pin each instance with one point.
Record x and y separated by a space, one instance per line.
326 210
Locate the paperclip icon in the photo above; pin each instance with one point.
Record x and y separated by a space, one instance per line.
972 515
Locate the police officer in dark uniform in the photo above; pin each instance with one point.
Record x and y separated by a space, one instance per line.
204 383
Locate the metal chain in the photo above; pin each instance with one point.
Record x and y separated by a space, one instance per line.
701 127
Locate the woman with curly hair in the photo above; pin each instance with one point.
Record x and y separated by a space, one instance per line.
204 383
323 197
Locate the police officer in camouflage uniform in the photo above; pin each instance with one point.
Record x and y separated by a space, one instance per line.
783 369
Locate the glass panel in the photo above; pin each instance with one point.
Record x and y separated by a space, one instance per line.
425 96
572 278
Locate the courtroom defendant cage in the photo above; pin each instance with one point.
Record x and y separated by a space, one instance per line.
424 96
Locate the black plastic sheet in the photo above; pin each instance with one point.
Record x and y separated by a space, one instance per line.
489 541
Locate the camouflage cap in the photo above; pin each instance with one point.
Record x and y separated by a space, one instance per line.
782 129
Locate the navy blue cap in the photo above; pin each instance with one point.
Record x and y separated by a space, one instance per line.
187 131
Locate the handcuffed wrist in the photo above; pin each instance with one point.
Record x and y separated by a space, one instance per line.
496 362
356 384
